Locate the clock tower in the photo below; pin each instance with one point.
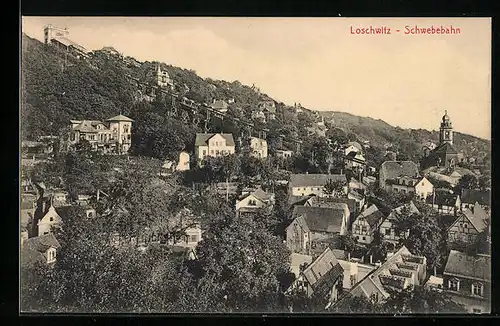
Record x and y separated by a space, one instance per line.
446 130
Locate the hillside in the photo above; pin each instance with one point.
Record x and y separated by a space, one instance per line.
57 87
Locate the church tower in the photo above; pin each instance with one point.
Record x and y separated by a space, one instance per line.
446 130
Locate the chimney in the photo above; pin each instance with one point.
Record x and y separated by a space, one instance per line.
349 256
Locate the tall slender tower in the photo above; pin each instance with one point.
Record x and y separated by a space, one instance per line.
446 130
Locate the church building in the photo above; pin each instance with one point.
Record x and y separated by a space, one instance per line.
444 155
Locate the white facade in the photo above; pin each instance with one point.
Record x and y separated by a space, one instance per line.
250 202
258 147
216 146
424 188
283 153
183 164
51 219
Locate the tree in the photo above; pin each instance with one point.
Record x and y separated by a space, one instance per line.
420 299
245 261
349 242
378 247
335 188
357 305
467 181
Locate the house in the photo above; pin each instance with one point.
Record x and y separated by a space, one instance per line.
258 147
391 170
347 205
312 224
40 249
467 279
358 198
268 107
469 198
255 201
387 228
308 184
352 147
163 78
220 106
46 216
467 226
354 160
110 50
284 153
434 283
213 145
323 278
444 202
114 136
419 186
224 188
259 115
367 223
399 271
59 37
354 271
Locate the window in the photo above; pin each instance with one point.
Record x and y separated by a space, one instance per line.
454 284
476 310
353 280
52 219
193 238
217 153
211 152
387 231
364 229
72 137
357 229
364 238
477 289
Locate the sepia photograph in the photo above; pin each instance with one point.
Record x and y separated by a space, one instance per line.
323 165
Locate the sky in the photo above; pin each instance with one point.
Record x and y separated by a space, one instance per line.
406 80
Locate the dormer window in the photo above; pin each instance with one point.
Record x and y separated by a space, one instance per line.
454 284
477 289
51 219
51 255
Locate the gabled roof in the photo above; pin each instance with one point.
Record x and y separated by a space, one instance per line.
445 148
339 203
120 117
384 277
471 196
372 215
355 144
476 267
315 180
394 169
321 219
202 139
262 195
34 249
86 126
475 219
323 271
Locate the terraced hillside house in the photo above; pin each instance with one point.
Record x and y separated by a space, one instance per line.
113 136
399 271
392 171
163 78
268 107
322 279
213 145
258 147
313 184
312 226
467 279
59 37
